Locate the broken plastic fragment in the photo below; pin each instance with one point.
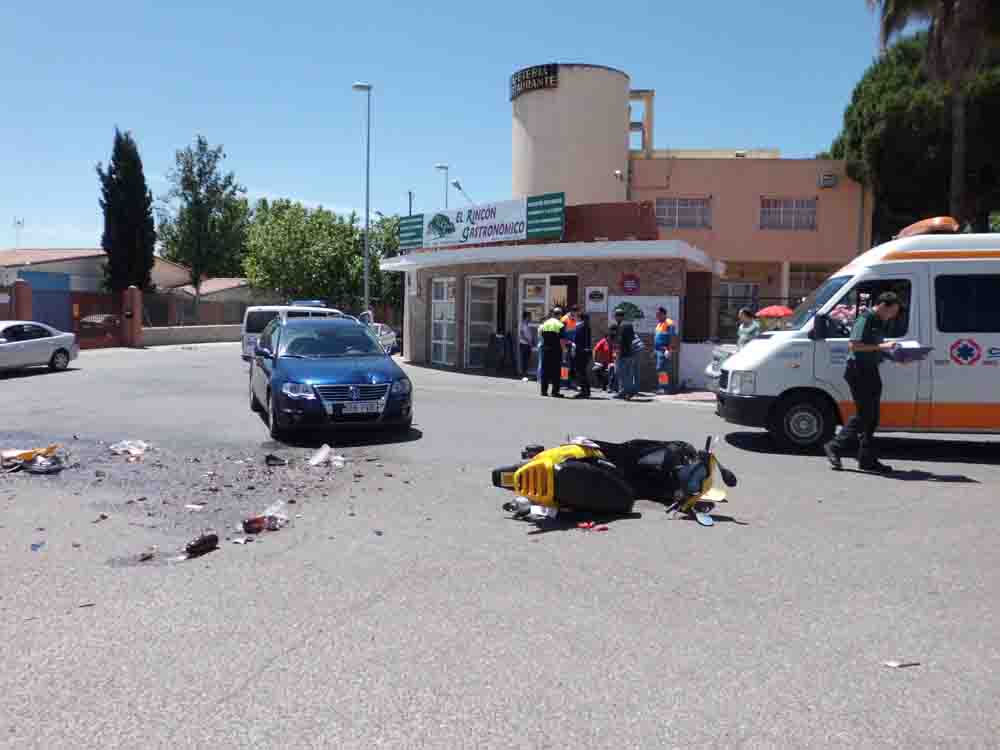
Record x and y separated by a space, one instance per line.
130 448
894 664
272 460
202 545
321 456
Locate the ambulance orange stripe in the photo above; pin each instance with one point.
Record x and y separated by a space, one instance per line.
941 254
945 416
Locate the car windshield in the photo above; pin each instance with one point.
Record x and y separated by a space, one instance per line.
323 342
814 302
257 320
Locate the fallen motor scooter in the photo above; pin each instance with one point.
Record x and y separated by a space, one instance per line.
607 478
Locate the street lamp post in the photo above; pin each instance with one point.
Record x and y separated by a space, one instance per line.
367 88
444 168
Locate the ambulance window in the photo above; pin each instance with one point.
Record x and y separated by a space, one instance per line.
968 304
862 297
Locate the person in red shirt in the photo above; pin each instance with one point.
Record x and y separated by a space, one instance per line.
604 358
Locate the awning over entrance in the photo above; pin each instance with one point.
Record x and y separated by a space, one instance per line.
633 250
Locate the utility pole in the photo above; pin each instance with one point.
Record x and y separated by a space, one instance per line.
367 89
409 193
18 226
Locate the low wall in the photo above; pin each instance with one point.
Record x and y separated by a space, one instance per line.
172 335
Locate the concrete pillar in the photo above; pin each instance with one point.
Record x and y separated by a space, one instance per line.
22 300
132 318
786 281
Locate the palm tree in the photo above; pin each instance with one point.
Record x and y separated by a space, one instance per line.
960 34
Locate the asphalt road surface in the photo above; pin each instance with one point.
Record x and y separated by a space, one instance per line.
402 608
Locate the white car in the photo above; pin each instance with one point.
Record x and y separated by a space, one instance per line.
24 343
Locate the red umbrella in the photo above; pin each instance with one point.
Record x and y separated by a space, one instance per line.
774 311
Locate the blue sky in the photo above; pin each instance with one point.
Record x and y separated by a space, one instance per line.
272 83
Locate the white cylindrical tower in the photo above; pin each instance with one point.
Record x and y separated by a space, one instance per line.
570 132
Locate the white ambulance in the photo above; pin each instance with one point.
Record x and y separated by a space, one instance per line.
792 381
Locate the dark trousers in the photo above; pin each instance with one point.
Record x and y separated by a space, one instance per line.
582 363
551 370
525 357
866 390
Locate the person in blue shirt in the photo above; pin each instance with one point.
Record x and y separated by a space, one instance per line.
663 340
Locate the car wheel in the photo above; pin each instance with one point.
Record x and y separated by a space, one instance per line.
59 361
802 421
254 403
273 427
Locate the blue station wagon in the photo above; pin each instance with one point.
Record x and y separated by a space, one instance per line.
315 373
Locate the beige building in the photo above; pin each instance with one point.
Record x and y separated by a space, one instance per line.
710 230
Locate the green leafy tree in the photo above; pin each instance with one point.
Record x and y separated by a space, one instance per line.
386 287
897 139
961 35
129 237
206 216
301 252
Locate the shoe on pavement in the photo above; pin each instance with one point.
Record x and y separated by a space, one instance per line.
832 457
875 466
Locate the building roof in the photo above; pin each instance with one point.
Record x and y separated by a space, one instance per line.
212 286
38 256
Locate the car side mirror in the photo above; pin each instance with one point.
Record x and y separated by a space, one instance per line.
821 328
261 351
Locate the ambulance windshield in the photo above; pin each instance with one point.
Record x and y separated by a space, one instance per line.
815 302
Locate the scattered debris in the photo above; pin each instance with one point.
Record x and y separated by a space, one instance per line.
87 605
134 449
202 545
389 474
102 517
45 465
100 474
37 546
147 556
77 545
321 456
243 540
272 460
893 664
195 506
271 519
379 532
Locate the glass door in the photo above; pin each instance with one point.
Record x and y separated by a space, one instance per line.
443 324
482 298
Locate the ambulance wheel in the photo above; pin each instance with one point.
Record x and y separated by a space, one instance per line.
802 421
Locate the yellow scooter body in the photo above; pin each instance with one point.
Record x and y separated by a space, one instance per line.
536 479
709 492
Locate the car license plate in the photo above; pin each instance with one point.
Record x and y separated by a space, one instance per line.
361 407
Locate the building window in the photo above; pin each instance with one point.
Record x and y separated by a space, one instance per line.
684 213
788 213
968 304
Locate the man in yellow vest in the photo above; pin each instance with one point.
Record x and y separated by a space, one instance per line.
551 333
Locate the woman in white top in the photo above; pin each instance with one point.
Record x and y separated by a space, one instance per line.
749 328
526 342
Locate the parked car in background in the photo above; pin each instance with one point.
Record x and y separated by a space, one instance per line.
24 343
316 373
256 318
386 336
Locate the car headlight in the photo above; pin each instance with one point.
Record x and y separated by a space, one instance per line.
402 387
742 383
298 390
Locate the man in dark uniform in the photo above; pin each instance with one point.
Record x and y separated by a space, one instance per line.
583 344
552 339
867 348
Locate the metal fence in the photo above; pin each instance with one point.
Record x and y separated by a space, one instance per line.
161 310
717 318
